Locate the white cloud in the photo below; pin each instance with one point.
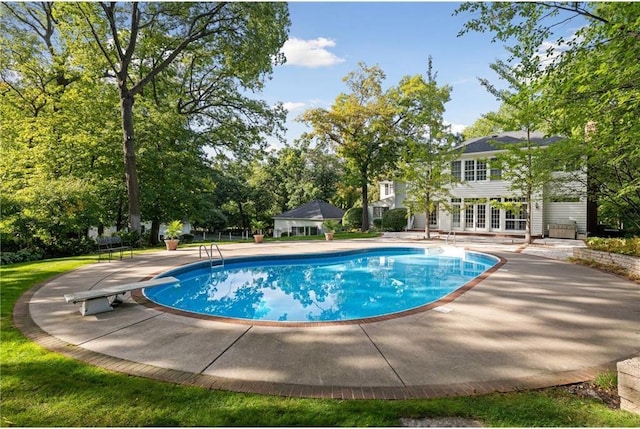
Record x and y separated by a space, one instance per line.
456 128
292 106
310 53
549 52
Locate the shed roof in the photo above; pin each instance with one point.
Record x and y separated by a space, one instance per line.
314 210
488 143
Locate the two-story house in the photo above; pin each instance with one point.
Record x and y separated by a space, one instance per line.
471 200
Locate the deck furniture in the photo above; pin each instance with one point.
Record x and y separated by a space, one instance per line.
110 245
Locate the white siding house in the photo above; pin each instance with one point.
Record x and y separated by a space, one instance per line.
307 219
472 211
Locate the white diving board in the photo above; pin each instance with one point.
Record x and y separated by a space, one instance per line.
99 300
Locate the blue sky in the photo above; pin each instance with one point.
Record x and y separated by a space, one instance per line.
328 39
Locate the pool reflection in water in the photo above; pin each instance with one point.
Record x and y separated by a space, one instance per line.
322 287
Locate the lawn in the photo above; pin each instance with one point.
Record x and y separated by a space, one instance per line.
40 388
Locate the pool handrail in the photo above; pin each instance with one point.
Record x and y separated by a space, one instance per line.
209 253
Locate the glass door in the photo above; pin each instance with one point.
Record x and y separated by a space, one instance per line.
475 215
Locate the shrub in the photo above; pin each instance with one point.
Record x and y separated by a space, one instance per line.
132 238
69 247
331 225
352 218
22 255
10 243
395 220
145 239
377 223
625 246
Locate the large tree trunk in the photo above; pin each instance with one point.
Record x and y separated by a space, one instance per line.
365 206
155 232
243 221
527 232
427 214
427 228
130 171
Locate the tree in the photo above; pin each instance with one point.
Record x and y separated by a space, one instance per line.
239 192
425 165
589 76
57 158
489 124
326 173
524 164
286 177
59 79
297 174
361 126
175 176
211 43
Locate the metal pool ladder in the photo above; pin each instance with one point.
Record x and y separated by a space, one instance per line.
454 237
209 253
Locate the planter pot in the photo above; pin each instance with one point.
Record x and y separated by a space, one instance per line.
328 236
172 244
258 238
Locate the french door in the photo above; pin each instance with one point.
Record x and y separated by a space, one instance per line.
475 215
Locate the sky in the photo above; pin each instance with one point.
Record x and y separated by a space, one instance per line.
327 40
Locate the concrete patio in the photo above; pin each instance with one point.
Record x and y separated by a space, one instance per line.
535 322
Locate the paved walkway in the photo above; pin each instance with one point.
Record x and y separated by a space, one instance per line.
535 322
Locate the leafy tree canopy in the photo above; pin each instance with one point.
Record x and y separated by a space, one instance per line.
361 126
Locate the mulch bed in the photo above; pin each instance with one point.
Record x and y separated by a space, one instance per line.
590 390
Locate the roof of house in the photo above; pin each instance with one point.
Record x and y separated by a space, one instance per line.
487 144
315 210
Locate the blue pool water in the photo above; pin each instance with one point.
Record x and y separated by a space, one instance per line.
321 287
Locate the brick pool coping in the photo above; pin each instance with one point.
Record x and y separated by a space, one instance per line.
139 297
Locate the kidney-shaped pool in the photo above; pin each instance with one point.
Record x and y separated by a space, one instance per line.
321 287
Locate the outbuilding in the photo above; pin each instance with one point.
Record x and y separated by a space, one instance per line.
306 219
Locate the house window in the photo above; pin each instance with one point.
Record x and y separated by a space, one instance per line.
386 189
456 169
495 215
481 215
468 216
496 171
469 170
304 230
379 211
433 217
516 219
455 212
481 170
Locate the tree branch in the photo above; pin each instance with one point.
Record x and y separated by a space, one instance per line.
97 39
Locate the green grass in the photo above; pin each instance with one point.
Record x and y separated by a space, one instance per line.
607 380
40 388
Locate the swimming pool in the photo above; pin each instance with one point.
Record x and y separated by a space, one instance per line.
321 287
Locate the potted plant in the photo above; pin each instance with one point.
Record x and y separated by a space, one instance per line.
330 227
172 234
258 226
